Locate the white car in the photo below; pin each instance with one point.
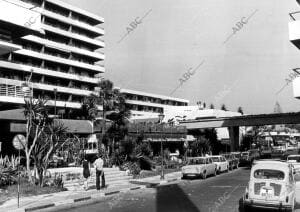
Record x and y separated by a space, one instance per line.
221 163
199 167
271 186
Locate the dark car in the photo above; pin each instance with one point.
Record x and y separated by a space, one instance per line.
248 157
232 161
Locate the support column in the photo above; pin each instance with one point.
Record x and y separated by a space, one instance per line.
234 137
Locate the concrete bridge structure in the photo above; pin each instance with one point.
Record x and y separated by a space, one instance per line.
233 123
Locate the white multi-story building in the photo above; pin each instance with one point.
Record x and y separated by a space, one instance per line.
147 106
57 50
60 52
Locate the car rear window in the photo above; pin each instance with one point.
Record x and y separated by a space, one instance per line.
215 159
269 174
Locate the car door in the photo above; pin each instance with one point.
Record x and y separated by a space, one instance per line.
211 166
224 164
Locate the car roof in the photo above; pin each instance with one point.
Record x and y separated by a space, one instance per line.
293 155
270 164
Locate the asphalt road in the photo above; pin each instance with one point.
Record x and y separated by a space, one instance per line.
214 194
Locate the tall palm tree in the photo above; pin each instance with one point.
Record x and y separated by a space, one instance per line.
114 106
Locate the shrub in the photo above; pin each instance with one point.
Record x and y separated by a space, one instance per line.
133 167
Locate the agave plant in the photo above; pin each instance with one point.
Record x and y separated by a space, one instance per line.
6 162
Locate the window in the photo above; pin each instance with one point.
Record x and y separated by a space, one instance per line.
269 174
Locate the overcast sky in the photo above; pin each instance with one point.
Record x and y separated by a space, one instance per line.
177 35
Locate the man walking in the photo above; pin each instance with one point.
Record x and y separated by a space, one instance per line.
98 164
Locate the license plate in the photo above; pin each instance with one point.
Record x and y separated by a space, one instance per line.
267 195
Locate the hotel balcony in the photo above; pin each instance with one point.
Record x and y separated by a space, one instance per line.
27 68
13 94
95 42
64 47
98 31
96 68
19 17
6 47
47 87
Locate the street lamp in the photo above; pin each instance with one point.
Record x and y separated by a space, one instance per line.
161 117
55 93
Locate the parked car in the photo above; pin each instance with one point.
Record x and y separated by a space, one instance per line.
199 167
221 163
232 161
237 155
248 157
271 186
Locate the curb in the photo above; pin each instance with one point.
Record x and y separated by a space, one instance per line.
77 200
155 184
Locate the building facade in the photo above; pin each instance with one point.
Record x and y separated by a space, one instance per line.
59 54
60 59
148 106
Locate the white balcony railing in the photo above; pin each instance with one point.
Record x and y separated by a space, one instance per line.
14 91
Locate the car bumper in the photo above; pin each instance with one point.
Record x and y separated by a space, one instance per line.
267 205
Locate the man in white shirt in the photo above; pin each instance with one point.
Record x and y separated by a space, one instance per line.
98 164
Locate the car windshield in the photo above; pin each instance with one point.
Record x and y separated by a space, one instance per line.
269 174
200 161
294 158
194 161
215 159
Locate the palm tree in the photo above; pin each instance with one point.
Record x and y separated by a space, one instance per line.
240 110
114 107
223 107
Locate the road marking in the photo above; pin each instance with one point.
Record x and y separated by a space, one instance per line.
221 186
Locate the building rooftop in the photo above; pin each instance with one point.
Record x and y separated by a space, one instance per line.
77 9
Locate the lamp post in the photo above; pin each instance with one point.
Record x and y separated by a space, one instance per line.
161 117
55 92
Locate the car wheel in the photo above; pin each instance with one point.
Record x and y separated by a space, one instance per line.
204 175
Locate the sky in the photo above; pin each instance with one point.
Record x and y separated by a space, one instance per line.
215 51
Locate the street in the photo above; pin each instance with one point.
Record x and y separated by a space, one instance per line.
221 193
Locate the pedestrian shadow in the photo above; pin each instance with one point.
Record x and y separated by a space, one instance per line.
173 198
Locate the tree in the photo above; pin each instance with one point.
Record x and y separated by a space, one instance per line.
36 115
223 107
114 108
51 139
240 110
277 108
212 106
200 147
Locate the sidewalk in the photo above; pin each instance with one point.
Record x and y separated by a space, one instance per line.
35 203
155 180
